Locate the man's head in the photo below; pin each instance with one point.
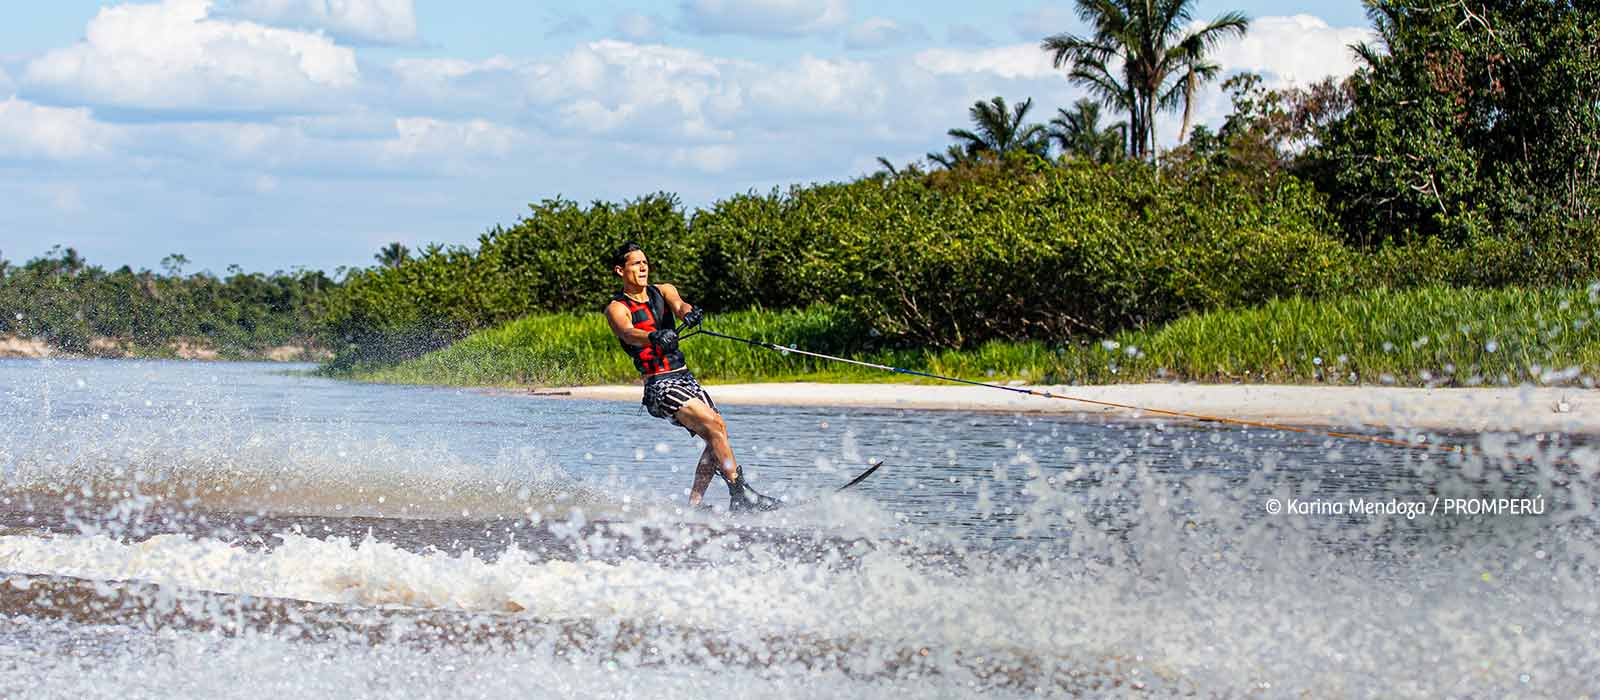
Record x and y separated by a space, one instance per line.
628 262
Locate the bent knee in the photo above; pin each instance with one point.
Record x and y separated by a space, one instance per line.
712 425
706 421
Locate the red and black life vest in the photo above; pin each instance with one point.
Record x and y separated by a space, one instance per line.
650 316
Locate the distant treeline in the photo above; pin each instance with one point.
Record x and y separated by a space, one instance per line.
63 300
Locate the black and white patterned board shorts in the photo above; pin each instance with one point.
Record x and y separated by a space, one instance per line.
664 394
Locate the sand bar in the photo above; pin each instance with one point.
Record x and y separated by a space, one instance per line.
1516 409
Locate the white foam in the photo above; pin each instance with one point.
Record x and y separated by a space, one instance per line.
1313 624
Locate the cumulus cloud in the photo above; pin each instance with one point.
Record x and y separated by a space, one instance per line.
1015 61
423 136
1299 49
172 55
707 159
7 88
881 32
816 86
637 27
764 18
30 131
596 88
382 22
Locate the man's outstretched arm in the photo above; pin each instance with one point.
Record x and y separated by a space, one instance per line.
680 308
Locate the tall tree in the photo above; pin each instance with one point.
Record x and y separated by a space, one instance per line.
1080 135
1141 58
952 157
1471 118
1001 130
393 255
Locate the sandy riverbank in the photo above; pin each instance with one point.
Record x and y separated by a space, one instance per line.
1519 409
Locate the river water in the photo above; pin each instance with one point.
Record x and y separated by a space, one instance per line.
173 529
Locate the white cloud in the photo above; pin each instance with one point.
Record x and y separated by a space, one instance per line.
764 18
56 133
1015 61
707 159
174 56
1299 49
425 137
7 88
387 22
602 87
820 86
880 32
637 27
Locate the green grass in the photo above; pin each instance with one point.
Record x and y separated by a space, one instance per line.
1415 337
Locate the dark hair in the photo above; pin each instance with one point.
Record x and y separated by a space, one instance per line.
620 256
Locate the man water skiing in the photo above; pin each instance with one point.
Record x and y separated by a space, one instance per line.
644 318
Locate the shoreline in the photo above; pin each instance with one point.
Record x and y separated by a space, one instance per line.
102 348
1523 409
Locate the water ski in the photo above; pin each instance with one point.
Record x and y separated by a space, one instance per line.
757 503
861 477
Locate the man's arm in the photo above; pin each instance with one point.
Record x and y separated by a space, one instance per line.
680 308
622 325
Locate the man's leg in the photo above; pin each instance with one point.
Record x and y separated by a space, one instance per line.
703 471
703 420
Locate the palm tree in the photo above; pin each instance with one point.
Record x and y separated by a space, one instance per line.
1140 59
1002 131
393 255
952 157
887 169
1386 19
1195 71
1079 135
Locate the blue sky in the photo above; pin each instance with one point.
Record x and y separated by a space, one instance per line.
280 133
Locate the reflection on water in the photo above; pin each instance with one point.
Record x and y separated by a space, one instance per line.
278 520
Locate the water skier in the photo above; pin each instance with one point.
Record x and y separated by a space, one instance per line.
645 318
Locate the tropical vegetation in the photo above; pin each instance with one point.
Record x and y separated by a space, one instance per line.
85 309
1433 336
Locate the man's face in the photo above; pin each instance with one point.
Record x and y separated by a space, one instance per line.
635 269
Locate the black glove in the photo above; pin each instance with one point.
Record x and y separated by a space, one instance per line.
694 317
666 339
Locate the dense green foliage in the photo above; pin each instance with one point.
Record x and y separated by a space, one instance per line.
1473 120
1438 336
550 260
1428 335
61 299
1010 249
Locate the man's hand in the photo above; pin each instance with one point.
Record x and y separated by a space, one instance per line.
666 339
694 317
